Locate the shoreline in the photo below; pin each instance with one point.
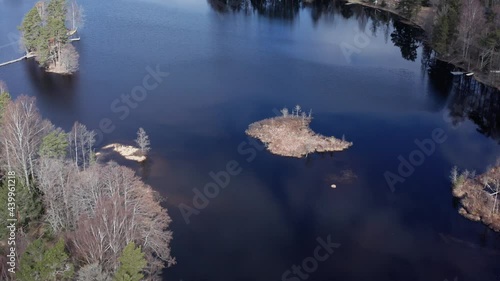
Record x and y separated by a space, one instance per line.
479 76
478 195
386 9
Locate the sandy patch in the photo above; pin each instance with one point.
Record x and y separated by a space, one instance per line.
127 151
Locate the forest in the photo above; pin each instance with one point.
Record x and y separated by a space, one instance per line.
75 218
467 33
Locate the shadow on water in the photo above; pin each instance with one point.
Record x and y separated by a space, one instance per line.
286 9
55 85
478 103
407 38
54 91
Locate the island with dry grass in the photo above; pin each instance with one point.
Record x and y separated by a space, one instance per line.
478 195
138 154
290 135
126 151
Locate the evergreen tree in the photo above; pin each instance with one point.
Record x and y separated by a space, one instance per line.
55 144
56 18
28 207
56 9
446 26
440 35
132 262
56 29
409 8
453 16
45 263
31 29
4 100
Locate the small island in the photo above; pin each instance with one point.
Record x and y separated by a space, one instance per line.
478 195
47 31
138 154
290 135
127 151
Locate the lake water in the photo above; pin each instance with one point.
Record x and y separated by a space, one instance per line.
363 74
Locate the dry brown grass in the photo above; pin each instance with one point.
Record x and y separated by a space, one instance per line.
476 199
291 136
127 151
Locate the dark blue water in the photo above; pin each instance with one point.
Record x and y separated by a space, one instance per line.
362 73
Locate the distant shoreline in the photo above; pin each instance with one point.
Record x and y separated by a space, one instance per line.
424 12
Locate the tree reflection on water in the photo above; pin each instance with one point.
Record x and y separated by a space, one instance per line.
469 98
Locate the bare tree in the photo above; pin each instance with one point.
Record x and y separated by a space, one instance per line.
56 180
75 15
454 175
68 59
472 22
143 141
492 186
3 87
81 144
22 129
297 110
284 111
304 116
4 273
92 272
125 210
